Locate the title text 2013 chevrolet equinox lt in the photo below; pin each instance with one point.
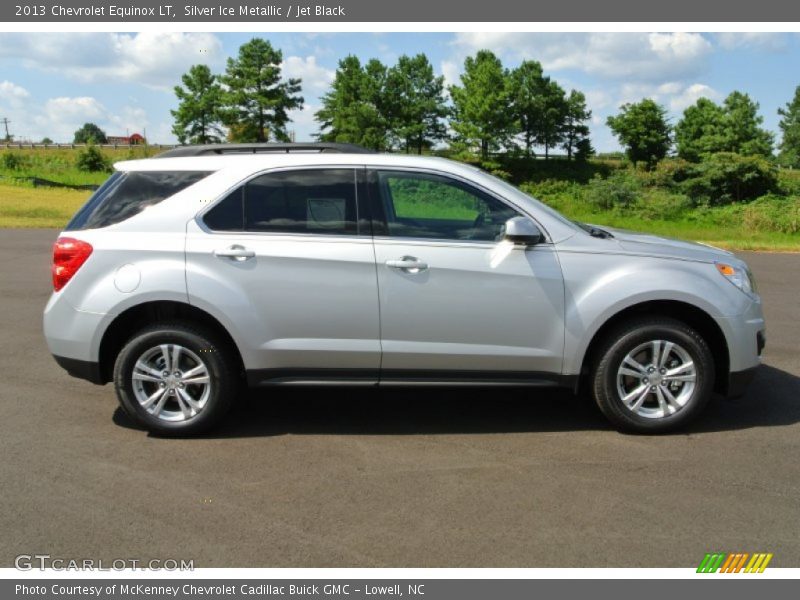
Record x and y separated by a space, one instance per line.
191 273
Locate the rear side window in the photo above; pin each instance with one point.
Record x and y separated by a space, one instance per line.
320 201
128 193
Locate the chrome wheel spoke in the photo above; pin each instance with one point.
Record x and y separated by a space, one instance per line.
655 349
671 400
146 377
197 380
640 398
632 362
631 373
687 366
161 402
198 370
690 377
184 395
665 352
153 397
662 402
176 358
165 356
186 409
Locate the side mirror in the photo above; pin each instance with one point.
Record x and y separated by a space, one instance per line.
523 231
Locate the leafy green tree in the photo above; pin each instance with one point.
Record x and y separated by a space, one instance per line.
701 131
550 130
790 128
415 102
526 93
743 132
257 99
199 114
90 133
575 131
46 140
643 130
481 104
354 109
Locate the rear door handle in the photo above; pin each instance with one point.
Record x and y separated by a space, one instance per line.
235 252
407 263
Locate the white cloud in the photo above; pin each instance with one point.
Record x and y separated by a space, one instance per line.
13 94
153 59
303 123
316 78
759 40
451 73
644 56
676 96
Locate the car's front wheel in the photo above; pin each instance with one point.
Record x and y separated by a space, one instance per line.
175 379
653 375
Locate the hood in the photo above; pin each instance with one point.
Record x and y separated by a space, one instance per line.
653 245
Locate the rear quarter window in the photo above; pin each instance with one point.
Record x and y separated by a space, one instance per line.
127 193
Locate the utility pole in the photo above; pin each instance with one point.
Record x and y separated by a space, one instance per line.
5 122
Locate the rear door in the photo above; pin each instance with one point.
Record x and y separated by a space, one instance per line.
288 261
456 300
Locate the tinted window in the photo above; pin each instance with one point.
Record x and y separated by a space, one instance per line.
430 206
321 201
126 194
227 214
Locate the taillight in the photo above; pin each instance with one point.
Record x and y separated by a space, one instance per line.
68 256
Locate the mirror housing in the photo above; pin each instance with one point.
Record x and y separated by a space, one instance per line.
522 231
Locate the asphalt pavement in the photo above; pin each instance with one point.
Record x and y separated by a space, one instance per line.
394 478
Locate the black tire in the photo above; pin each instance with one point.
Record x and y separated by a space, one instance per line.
218 362
630 336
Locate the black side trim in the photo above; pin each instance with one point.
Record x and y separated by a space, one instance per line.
82 369
738 382
256 377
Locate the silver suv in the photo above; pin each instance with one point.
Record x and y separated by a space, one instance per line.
187 275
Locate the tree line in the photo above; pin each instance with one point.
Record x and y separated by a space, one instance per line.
403 107
406 107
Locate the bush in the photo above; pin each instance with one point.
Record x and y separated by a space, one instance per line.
12 161
773 213
661 204
620 190
91 160
727 178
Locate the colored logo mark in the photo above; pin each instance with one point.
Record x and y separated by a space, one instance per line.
736 562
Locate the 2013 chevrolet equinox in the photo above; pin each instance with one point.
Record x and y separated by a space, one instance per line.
188 274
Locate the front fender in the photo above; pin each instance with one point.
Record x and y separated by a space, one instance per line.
598 287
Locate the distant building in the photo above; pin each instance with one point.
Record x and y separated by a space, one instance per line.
133 140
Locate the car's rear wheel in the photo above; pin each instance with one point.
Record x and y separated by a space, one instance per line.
653 375
175 379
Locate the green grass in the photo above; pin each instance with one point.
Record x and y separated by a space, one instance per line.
38 207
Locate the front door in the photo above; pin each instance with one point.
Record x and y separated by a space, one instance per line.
455 299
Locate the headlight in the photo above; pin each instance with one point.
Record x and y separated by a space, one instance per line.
738 276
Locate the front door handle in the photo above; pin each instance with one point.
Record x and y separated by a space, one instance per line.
409 264
235 252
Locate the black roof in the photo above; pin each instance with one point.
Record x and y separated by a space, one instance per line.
219 149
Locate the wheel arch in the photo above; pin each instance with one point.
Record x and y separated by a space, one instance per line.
693 316
136 317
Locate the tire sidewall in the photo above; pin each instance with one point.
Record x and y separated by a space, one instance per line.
210 353
612 404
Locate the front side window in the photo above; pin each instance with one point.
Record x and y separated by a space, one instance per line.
319 201
128 193
422 205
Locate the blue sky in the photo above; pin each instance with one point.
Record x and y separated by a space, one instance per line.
51 83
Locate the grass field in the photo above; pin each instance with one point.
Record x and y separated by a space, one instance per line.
736 228
38 207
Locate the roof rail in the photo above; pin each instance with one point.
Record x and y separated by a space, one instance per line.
220 149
